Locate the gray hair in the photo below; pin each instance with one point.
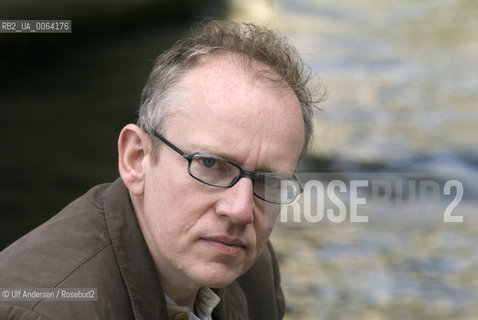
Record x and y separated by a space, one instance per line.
255 43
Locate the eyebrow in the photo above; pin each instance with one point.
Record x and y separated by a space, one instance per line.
218 155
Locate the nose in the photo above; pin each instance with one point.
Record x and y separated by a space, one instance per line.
237 202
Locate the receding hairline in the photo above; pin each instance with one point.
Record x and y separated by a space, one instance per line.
256 71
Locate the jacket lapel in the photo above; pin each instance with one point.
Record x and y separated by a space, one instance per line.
132 255
233 305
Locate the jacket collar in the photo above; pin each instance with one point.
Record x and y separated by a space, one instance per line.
233 305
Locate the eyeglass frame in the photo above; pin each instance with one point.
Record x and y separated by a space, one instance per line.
242 173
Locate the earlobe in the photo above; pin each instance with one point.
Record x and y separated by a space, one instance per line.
133 147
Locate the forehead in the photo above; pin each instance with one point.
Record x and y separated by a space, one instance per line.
239 111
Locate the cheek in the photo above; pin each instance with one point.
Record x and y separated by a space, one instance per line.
174 208
262 237
262 229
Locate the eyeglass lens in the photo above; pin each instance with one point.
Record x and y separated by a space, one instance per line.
267 186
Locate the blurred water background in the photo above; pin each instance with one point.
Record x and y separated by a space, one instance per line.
402 78
402 81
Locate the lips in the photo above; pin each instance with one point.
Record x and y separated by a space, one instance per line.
226 245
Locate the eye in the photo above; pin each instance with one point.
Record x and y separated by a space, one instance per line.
272 182
269 181
209 163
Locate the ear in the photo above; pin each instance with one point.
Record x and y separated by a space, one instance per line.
133 146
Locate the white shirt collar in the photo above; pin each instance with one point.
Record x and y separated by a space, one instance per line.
206 301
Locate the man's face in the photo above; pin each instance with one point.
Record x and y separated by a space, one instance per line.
204 235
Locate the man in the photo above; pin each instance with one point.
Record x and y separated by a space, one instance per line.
224 119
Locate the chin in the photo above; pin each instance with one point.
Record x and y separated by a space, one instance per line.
220 276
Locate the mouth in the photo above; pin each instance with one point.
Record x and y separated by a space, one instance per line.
225 245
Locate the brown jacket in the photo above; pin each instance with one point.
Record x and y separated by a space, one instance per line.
95 242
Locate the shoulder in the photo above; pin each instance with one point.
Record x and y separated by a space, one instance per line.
47 254
71 250
18 312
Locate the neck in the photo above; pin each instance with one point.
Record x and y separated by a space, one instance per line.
177 286
183 301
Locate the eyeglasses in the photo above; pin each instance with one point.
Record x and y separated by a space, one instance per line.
222 173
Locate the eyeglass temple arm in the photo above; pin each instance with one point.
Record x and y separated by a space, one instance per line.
169 144
300 183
